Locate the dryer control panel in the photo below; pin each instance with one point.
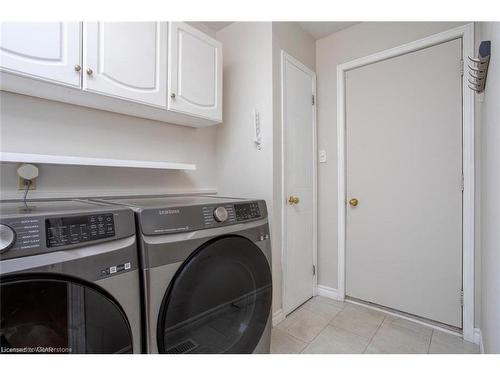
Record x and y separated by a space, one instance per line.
195 217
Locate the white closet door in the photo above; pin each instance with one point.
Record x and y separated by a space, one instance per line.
299 135
127 60
195 81
404 166
45 50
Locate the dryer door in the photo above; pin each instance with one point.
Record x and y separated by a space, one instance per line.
219 300
52 314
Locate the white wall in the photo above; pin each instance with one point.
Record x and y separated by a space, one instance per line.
242 169
356 41
33 125
490 188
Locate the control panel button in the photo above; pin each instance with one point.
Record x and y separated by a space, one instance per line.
7 237
220 214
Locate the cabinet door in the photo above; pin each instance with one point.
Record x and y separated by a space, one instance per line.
43 50
195 72
126 60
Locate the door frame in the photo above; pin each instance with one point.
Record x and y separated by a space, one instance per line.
466 33
285 57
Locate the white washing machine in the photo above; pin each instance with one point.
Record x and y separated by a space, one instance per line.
206 273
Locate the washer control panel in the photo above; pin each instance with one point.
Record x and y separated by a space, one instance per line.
47 227
72 230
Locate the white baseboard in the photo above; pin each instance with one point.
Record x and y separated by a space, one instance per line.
326 291
278 317
478 339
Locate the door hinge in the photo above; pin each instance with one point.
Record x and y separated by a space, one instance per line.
461 297
462 68
314 270
313 100
462 183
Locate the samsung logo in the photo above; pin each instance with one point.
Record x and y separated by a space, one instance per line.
169 212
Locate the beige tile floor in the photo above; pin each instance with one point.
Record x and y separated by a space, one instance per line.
326 326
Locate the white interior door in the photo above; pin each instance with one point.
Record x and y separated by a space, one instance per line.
195 75
404 166
127 60
299 149
45 50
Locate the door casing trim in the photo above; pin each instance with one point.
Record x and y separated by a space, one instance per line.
287 57
466 34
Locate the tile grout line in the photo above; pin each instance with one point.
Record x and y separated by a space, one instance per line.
327 324
292 337
371 339
357 334
314 338
430 342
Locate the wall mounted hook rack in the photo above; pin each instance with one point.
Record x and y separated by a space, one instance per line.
478 68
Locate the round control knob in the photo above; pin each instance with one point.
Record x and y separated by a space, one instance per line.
7 237
220 214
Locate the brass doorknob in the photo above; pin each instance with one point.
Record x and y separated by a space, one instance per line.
353 202
293 200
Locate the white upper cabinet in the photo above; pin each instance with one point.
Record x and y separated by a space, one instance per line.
44 50
163 71
195 72
126 60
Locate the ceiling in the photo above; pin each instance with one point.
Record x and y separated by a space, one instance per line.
216 26
317 30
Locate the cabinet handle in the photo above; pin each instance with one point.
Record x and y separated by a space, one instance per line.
89 71
78 68
172 95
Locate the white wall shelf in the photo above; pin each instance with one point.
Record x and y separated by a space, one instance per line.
14 157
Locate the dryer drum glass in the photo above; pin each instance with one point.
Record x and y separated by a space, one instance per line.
219 301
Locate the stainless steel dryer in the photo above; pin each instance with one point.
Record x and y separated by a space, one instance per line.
69 279
206 268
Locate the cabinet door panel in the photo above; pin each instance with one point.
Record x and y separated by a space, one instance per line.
128 60
43 50
195 82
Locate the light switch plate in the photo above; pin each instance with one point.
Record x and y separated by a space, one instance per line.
322 156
